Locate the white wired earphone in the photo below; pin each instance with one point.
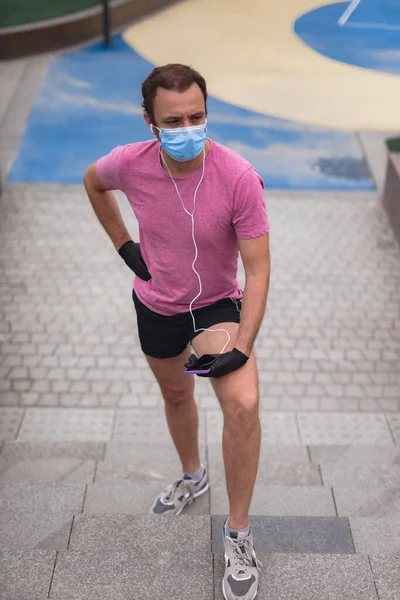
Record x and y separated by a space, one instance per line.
191 214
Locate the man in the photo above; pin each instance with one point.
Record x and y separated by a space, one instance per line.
197 204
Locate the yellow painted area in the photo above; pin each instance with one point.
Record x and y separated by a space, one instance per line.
251 57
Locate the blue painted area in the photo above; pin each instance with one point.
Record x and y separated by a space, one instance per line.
90 102
377 49
376 13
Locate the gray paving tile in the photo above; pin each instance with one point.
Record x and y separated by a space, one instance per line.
277 428
367 501
139 462
344 429
97 533
150 573
287 473
49 530
67 424
10 419
40 461
376 535
146 426
357 455
394 423
135 452
280 501
386 570
277 466
309 577
41 497
320 535
25 574
361 475
65 470
274 452
133 498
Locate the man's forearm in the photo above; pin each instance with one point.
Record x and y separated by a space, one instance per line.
106 208
253 309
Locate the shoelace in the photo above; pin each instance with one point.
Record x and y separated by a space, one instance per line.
172 489
243 553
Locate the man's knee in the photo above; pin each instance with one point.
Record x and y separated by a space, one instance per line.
175 396
241 408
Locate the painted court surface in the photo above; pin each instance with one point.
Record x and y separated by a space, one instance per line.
289 91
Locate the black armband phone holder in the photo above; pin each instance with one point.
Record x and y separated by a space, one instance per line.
200 365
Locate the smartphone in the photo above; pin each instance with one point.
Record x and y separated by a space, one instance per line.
198 372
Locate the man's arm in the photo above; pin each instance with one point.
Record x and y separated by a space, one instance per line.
256 262
106 208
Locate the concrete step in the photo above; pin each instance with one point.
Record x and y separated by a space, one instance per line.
168 576
41 497
378 501
148 425
355 454
57 530
87 463
363 476
165 575
42 515
114 557
309 577
34 529
26 574
122 497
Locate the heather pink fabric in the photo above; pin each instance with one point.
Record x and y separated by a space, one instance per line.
230 204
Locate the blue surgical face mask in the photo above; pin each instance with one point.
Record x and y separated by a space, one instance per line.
183 143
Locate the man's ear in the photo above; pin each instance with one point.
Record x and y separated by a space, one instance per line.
147 119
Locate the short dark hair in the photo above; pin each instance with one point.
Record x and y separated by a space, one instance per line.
170 77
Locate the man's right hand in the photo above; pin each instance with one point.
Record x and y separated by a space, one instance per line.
130 252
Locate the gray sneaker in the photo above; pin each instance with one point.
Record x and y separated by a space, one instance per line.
240 581
179 494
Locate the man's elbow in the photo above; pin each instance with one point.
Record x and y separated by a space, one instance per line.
86 179
91 181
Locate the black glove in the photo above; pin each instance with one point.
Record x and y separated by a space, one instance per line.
224 364
130 252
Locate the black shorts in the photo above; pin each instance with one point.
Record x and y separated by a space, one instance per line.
165 337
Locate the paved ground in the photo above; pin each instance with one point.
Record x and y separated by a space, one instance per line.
85 442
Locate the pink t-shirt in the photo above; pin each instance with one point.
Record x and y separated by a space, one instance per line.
230 205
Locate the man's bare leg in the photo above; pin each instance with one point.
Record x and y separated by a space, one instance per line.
237 393
177 389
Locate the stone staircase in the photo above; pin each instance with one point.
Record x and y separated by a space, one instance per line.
74 523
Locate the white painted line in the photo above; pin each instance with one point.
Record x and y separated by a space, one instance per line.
348 12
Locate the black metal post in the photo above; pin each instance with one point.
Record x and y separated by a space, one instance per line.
106 23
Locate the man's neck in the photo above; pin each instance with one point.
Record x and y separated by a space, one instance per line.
181 169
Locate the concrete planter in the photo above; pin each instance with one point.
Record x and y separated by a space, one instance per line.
55 34
391 192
